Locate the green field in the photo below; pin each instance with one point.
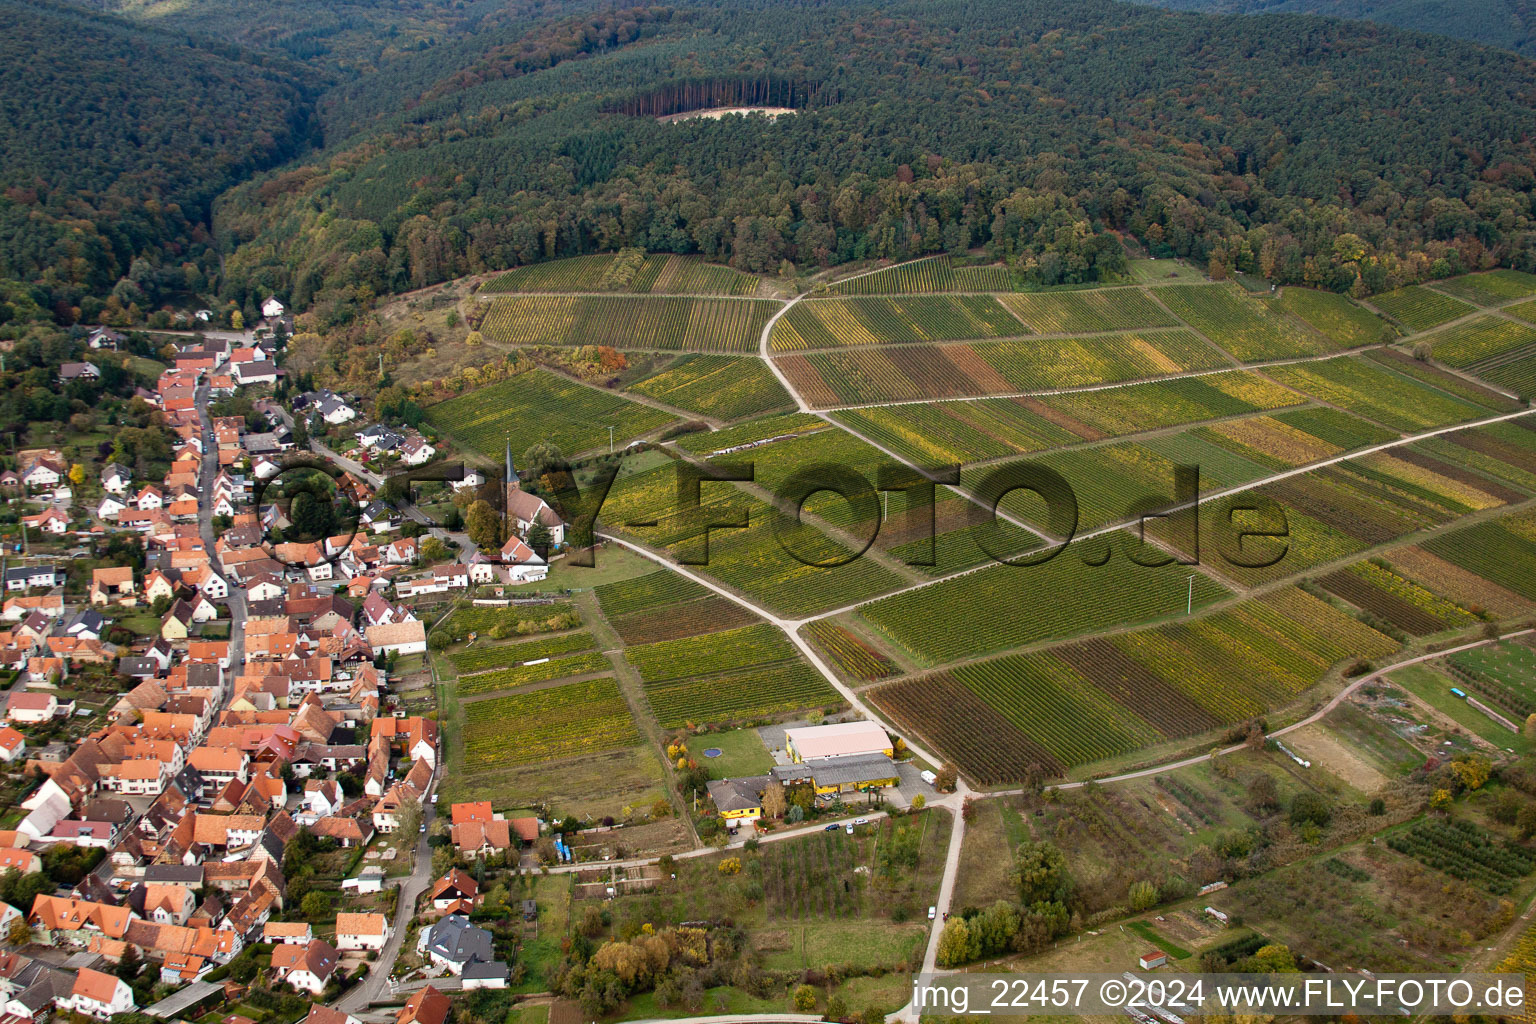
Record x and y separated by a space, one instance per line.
957 432
1490 289
724 387
667 324
658 273
543 670
727 676
1370 389
1419 309
540 406
1089 312
1064 596
543 725
1336 316
1168 403
935 274
1246 327
871 320
1087 701
1478 341
483 656
821 573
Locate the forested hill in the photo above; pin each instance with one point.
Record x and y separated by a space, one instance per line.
1510 24
116 139
1343 153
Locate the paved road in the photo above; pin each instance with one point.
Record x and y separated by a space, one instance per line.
376 985
210 470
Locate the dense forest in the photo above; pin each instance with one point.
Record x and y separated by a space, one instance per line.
1339 153
1507 23
116 139
425 139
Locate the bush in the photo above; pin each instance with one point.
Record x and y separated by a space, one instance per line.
1308 806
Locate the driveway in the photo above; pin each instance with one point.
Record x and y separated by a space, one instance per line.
375 987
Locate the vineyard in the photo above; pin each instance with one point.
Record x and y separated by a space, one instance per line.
1479 341
869 320
1336 317
935 274
1517 374
1167 403
726 676
1504 452
1087 701
542 671
1370 389
1502 551
1244 326
1490 289
1463 850
1419 309
916 372
1443 380
511 619
958 618
484 656
668 324
753 432
724 387
947 433
540 406
754 559
656 274
1109 480
664 605
853 657
543 725
1410 607
1089 312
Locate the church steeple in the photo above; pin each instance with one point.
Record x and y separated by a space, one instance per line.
511 470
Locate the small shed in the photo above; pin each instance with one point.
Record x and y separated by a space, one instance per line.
1151 959
530 910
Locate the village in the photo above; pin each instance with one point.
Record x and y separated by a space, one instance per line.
212 778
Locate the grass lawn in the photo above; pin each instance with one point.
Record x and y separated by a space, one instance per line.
742 753
139 620
1373 739
553 894
722 1000
1160 271
1146 931
537 1013
861 944
1433 687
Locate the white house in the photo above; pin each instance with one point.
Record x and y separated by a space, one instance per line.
362 931
398 638
416 451
116 479
97 995
307 968
272 308
12 744
110 507
32 708
42 473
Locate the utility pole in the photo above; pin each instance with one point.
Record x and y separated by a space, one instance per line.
1190 606
610 440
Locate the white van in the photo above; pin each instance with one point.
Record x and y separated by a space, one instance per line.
929 777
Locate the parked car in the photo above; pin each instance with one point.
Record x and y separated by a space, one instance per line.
928 777
850 828
861 821
933 912
830 828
